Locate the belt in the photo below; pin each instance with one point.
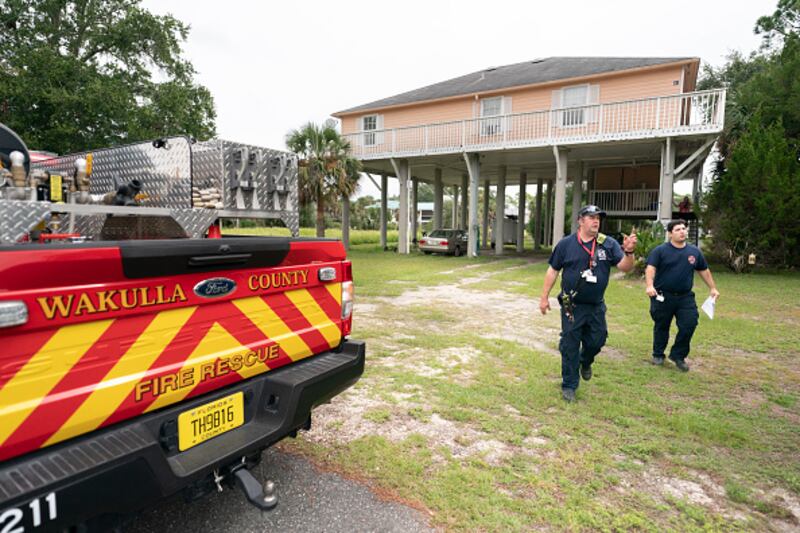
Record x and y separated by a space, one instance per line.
672 293
592 304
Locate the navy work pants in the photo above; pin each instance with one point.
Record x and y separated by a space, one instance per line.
581 340
684 309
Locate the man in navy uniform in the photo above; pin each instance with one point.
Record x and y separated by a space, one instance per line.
585 257
669 277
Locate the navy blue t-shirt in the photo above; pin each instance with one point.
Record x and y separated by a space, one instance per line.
675 266
570 257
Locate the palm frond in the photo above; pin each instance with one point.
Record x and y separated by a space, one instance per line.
328 170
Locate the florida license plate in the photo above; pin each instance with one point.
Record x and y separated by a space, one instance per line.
209 420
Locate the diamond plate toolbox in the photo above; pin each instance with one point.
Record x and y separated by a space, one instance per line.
163 166
250 178
233 179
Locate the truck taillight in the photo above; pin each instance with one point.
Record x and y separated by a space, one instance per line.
13 313
347 299
443 243
347 290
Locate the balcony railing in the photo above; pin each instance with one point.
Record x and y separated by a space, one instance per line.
689 113
626 202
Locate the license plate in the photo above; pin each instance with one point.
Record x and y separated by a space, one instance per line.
209 420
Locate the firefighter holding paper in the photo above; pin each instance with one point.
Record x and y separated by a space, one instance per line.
669 278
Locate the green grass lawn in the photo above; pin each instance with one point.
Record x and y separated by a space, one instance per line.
357 236
643 448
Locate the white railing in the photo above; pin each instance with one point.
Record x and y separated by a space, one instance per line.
626 202
698 112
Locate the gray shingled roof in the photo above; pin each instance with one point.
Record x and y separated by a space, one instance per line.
526 73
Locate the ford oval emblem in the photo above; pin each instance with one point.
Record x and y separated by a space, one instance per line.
215 287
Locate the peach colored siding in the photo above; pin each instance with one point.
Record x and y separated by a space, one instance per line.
417 114
613 87
641 85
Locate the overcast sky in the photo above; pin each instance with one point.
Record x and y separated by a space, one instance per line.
273 66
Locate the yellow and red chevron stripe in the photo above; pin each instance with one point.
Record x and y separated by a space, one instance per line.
72 379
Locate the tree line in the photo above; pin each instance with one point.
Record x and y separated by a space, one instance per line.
77 74
754 199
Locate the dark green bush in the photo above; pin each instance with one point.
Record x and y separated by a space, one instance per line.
754 203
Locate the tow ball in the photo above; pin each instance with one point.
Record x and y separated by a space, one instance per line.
263 497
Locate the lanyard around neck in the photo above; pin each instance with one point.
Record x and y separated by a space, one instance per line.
590 252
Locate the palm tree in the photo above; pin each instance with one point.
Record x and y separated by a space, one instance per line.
327 172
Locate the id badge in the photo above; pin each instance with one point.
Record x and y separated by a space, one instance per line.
589 276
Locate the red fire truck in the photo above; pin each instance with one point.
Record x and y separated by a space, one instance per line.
141 356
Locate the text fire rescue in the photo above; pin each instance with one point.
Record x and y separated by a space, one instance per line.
191 375
89 303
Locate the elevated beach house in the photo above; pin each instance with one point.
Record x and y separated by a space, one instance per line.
622 130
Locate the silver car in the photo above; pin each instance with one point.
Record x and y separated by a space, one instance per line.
445 241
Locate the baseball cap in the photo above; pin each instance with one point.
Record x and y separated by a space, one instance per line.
591 210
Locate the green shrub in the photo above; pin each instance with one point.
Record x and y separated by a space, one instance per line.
647 239
753 204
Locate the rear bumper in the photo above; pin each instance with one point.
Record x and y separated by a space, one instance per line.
437 249
133 464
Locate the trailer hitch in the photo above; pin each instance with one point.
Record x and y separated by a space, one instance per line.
263 497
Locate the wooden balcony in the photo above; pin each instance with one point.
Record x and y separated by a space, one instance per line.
697 113
626 203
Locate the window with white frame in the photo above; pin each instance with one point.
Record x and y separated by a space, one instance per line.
491 107
574 97
369 123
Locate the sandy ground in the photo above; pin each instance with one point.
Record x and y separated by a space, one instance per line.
513 318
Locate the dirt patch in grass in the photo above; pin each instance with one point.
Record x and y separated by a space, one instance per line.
794 418
778 508
364 309
461 269
751 398
488 314
452 362
788 501
347 418
695 488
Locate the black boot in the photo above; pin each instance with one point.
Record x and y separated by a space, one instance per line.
682 365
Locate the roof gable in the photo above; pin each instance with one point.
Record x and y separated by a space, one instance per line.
518 74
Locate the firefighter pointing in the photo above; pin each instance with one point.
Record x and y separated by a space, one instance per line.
585 257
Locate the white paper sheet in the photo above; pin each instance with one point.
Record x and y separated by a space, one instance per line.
708 307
